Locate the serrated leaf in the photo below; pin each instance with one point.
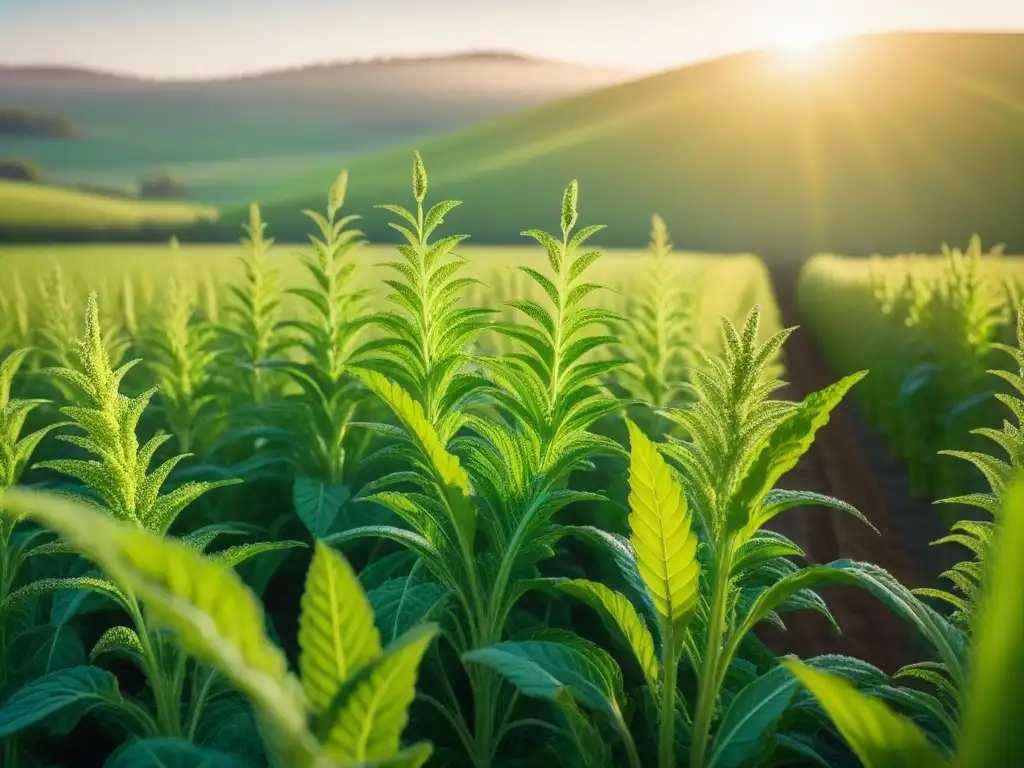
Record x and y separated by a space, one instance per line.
450 473
239 553
366 719
879 737
783 449
80 688
621 617
337 636
661 533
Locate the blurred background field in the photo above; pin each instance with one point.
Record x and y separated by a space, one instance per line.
865 145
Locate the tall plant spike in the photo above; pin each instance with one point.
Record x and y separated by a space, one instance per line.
120 476
429 335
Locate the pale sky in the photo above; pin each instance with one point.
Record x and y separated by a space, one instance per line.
197 38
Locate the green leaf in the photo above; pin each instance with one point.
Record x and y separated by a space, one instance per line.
879 737
37 589
992 734
661 533
787 443
451 476
542 668
39 651
367 717
81 688
337 636
413 757
169 753
750 720
401 604
123 640
228 724
778 500
213 615
239 553
591 745
318 504
621 618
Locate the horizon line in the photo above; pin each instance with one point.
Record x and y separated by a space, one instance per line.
465 53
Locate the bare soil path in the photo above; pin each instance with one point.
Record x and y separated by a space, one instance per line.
849 462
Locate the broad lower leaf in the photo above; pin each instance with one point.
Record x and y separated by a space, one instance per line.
337 635
78 688
879 737
169 753
661 533
751 718
591 744
541 668
621 618
401 604
318 504
366 719
39 651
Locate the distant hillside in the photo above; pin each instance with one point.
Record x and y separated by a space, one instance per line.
884 143
38 207
232 138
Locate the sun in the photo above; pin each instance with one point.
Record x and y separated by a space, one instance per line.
800 40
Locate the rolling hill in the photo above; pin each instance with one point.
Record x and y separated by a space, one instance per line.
876 144
231 138
44 208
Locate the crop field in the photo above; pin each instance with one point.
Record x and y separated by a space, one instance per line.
931 328
343 505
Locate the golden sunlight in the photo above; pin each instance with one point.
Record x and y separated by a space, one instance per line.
800 39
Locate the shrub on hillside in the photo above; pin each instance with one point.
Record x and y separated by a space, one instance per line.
163 185
18 121
19 169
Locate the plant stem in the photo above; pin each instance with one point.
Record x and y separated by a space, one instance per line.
708 678
667 725
627 740
483 724
167 711
199 694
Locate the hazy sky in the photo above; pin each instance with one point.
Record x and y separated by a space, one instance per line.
168 38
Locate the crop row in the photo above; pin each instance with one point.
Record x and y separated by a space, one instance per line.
930 328
552 504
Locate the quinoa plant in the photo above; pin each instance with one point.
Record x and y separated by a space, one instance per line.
121 485
347 707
